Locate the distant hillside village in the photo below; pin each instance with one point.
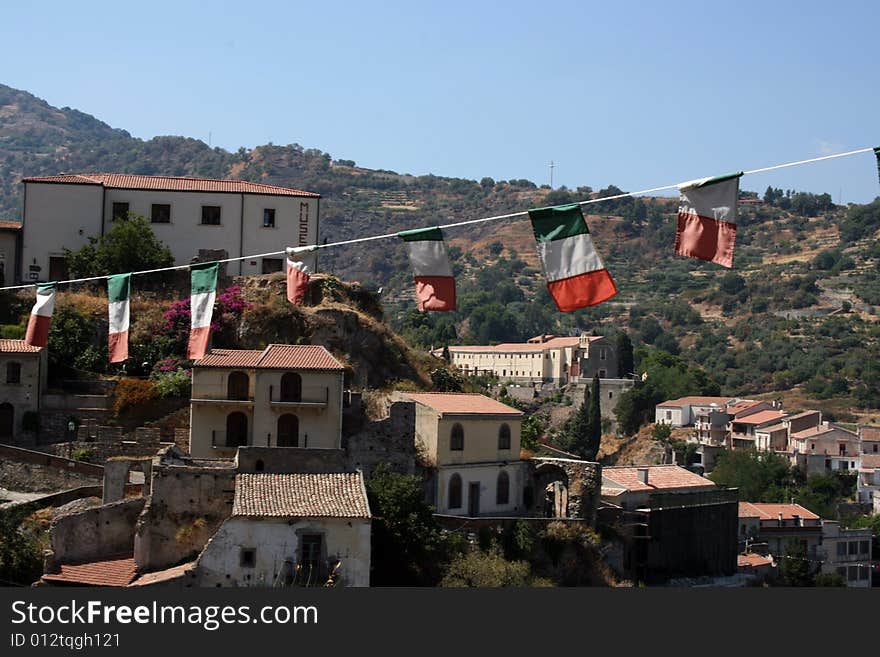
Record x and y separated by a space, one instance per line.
277 470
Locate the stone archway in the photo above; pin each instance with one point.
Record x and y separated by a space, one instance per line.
550 491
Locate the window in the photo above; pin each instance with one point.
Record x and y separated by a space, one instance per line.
120 211
454 499
863 547
502 491
236 430
602 374
13 372
603 354
853 547
291 387
210 215
248 557
269 218
668 415
271 265
610 395
160 213
504 437
841 549
237 387
310 550
456 442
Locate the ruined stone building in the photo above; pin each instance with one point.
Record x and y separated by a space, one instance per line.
280 396
22 383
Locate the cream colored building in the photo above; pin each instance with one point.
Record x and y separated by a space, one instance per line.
281 396
187 214
291 530
474 443
543 359
22 382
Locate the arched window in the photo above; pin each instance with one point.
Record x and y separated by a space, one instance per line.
291 387
455 492
13 372
238 386
288 431
236 429
456 441
502 489
504 437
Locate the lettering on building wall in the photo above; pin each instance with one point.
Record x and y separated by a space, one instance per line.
303 224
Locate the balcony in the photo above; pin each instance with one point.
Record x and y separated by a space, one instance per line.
309 398
247 402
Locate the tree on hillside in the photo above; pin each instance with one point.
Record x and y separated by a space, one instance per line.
129 246
584 429
594 421
795 567
625 360
759 476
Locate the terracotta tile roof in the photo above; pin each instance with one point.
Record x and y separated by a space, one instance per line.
332 495
772 511
274 357
455 403
660 477
741 406
813 432
10 225
752 561
166 575
113 571
870 434
870 462
800 415
697 401
170 183
552 343
760 417
773 428
17 347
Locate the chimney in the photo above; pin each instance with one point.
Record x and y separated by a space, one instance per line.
643 475
780 519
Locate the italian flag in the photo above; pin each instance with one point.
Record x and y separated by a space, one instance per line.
298 276
41 316
203 278
707 219
118 291
576 277
435 284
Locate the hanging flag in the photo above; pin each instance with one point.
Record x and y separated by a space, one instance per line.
576 277
298 276
204 290
435 284
877 153
707 219
41 316
118 290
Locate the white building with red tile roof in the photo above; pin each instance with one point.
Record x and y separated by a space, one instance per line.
770 527
824 448
631 487
23 372
280 396
187 214
474 443
543 359
683 412
298 529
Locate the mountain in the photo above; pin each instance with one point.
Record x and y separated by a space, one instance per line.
798 311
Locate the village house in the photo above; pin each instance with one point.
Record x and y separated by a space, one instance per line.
280 396
868 482
23 372
187 214
770 528
775 437
10 236
300 529
744 428
824 448
543 359
683 412
473 442
631 487
846 552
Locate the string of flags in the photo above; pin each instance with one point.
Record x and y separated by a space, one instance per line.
575 274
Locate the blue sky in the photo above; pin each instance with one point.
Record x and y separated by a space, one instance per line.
636 94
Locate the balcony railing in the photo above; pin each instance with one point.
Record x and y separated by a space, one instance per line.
218 440
247 402
318 397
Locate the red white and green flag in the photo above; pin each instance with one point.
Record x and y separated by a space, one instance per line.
435 284
707 219
118 292
203 279
576 277
41 316
298 276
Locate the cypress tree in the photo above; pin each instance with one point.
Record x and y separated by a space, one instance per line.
594 421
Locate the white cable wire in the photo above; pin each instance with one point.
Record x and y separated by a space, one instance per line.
358 240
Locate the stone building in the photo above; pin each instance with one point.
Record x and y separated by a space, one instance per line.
473 442
187 214
281 396
544 359
291 530
23 371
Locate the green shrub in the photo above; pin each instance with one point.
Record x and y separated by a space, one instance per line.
176 383
132 393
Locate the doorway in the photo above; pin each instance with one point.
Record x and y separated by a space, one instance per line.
474 499
7 420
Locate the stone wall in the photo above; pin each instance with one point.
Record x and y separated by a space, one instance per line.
289 459
187 506
94 533
99 452
389 440
582 482
26 470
